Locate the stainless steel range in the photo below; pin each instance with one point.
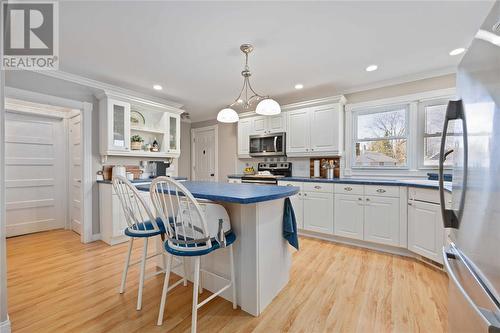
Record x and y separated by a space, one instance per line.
269 173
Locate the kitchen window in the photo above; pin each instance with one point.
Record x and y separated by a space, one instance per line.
381 137
434 113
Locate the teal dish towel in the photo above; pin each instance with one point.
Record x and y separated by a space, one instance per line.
290 225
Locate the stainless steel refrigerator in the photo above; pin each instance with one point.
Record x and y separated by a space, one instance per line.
472 126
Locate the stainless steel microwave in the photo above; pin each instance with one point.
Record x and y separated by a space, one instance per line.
272 144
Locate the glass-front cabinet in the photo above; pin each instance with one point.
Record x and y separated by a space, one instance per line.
119 125
174 130
155 130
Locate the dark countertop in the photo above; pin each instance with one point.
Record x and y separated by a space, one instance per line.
421 183
235 193
139 180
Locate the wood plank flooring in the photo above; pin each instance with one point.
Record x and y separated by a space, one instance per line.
57 284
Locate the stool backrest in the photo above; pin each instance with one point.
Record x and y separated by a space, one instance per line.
181 214
138 216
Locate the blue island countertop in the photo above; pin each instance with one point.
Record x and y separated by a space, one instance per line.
235 193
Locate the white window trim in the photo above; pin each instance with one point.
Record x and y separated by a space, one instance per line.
414 167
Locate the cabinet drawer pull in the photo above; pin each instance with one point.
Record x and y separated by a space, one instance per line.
381 190
360 199
289 185
367 199
317 187
348 188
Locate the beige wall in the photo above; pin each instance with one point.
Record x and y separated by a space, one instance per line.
440 82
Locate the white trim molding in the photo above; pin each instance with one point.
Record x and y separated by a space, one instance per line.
58 74
5 326
28 101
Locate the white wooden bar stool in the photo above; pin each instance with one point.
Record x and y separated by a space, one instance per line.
141 224
191 232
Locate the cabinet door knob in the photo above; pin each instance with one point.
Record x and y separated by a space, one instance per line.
367 199
410 204
305 194
360 199
317 187
381 190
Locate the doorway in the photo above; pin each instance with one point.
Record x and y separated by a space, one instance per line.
48 164
204 153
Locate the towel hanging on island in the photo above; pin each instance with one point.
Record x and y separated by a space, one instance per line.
290 224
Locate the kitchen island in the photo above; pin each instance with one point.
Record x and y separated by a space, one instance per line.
262 255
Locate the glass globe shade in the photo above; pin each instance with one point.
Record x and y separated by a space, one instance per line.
227 115
268 107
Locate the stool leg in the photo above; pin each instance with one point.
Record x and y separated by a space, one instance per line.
165 289
194 315
142 273
200 282
233 278
184 279
127 262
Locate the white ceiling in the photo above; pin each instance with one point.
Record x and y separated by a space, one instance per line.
192 49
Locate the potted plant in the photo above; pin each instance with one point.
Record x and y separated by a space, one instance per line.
136 142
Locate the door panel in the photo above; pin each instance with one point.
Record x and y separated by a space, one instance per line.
382 220
204 155
298 131
349 216
35 188
425 230
318 212
75 179
324 130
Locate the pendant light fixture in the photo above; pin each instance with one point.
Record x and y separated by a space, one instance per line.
248 96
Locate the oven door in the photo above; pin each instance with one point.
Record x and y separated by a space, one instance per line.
267 145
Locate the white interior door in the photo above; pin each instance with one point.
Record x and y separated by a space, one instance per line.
204 154
75 173
34 172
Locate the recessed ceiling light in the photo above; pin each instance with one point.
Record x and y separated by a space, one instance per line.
371 68
299 86
457 51
157 87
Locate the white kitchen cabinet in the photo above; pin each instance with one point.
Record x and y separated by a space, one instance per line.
316 130
318 211
174 134
298 133
244 129
114 120
349 216
111 216
381 220
326 129
425 229
297 203
259 125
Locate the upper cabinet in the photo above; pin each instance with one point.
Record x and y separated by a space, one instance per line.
316 130
122 121
257 125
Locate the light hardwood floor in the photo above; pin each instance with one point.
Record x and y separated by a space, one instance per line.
57 284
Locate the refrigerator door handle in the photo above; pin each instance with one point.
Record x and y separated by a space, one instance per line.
488 318
454 111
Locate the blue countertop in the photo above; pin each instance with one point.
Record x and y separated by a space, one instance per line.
139 180
421 183
235 193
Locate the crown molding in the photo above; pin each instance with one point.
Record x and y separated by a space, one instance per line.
111 89
401 79
315 102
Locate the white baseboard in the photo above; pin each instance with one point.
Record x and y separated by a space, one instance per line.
95 237
5 326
